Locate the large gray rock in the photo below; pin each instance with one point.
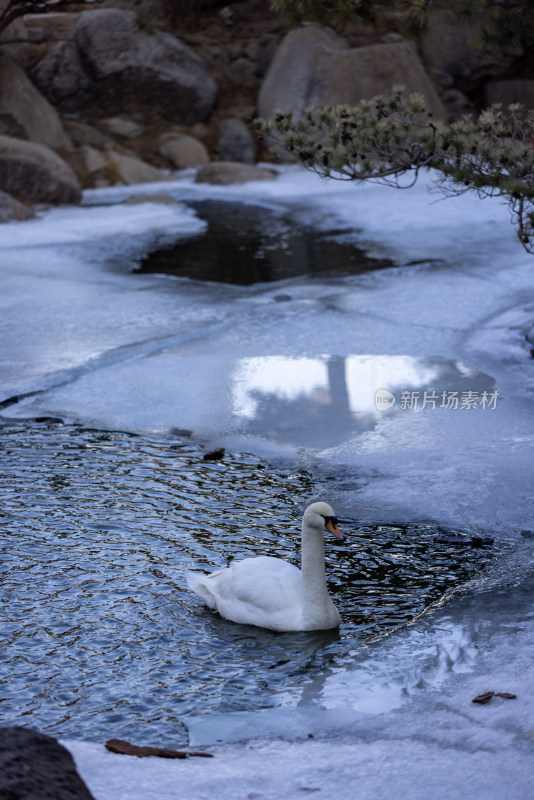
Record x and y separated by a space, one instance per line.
315 67
123 127
35 174
458 105
94 160
15 41
12 210
508 92
128 170
83 133
36 767
24 112
223 173
50 26
236 142
183 151
110 64
450 53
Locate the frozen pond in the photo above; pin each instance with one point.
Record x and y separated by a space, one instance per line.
403 396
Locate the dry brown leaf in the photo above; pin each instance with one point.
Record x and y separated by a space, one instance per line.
483 698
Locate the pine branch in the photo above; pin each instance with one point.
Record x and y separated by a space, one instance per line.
386 138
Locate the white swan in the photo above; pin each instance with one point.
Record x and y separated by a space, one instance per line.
272 593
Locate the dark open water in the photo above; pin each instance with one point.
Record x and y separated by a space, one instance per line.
247 244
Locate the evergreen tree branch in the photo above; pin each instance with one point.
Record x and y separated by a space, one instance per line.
387 138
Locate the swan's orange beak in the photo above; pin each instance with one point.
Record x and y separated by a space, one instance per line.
331 525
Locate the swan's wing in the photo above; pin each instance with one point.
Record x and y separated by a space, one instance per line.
264 582
262 591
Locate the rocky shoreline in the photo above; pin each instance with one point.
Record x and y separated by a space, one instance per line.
115 95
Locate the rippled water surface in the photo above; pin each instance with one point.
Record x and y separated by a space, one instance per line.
100 636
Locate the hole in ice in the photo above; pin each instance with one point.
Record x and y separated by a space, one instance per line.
246 244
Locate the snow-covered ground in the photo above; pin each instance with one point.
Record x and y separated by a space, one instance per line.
85 339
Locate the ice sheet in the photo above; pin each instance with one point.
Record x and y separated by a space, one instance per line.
415 768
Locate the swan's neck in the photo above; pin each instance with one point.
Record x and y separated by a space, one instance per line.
313 568
319 612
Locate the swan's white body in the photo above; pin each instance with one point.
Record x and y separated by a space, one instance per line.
272 593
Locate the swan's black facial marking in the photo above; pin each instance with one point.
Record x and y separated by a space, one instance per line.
330 524
332 520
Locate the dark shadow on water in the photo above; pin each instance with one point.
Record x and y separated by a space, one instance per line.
246 244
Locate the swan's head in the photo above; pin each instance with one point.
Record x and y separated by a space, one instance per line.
320 516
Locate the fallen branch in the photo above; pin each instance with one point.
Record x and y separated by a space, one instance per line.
128 749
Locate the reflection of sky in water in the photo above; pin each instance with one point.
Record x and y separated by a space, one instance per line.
292 378
286 378
452 649
334 395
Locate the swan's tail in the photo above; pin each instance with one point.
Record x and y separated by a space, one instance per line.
198 583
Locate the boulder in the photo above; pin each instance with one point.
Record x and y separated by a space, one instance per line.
35 174
223 173
83 133
267 49
94 160
458 105
448 50
52 25
12 210
508 92
123 127
127 170
243 72
108 63
315 67
36 767
182 150
236 142
24 112
41 32
15 42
